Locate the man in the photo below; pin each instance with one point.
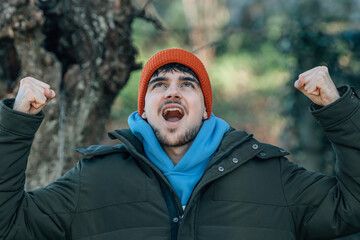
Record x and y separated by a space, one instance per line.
182 173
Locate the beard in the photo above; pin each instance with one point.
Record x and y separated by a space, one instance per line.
183 139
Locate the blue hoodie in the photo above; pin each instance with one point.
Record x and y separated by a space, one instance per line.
185 175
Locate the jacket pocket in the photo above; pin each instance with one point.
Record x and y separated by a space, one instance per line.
257 181
111 181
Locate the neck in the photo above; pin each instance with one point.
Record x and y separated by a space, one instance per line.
176 153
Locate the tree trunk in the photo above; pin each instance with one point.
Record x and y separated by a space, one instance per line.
84 51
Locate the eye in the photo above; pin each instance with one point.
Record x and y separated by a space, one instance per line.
158 84
188 84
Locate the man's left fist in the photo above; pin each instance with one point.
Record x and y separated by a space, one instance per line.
317 85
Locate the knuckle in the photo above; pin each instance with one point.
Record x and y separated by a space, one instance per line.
321 77
24 81
28 92
27 79
26 85
41 101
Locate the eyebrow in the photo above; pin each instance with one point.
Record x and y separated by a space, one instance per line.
191 79
181 78
157 79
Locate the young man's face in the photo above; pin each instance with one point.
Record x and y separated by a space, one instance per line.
174 107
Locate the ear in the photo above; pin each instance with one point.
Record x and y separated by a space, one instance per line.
143 115
205 115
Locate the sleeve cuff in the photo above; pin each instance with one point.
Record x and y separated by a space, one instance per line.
338 111
18 122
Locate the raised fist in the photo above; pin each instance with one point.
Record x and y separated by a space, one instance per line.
317 85
33 95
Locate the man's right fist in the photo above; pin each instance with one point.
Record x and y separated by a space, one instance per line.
33 95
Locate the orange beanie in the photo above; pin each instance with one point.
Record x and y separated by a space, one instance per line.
175 56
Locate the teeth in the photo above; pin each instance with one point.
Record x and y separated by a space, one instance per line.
172 109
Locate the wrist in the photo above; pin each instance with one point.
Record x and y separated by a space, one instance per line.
18 122
337 111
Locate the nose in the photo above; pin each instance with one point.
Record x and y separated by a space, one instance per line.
173 93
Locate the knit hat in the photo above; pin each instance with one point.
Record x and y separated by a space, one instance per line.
175 56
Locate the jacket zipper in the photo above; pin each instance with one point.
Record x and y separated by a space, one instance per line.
172 202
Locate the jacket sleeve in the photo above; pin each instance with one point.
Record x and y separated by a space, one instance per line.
325 207
40 214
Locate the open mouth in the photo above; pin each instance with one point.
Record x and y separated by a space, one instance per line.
173 114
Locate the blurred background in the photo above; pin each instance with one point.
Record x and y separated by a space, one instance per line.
253 50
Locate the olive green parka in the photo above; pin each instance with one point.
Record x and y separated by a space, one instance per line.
248 191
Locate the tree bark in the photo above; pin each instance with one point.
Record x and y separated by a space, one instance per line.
84 51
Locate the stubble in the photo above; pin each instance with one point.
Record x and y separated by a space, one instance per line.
187 137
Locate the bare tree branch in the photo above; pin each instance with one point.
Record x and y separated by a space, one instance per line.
216 42
141 13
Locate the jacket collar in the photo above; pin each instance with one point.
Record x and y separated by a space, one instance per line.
130 141
235 143
232 139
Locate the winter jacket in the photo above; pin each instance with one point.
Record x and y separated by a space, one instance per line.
248 191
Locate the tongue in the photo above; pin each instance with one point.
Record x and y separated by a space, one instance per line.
173 116
173 119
